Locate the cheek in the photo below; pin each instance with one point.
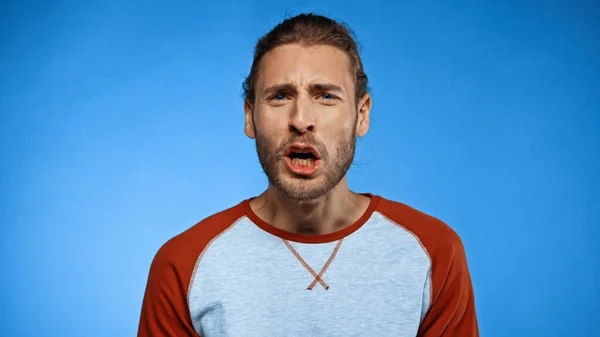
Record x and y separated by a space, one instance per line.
271 121
273 129
347 129
340 120
339 141
268 136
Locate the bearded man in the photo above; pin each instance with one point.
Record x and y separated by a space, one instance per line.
308 256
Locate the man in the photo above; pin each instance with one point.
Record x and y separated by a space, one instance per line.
309 257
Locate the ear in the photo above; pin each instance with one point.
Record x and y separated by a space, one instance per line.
364 115
249 120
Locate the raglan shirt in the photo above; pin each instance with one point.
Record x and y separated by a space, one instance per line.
394 272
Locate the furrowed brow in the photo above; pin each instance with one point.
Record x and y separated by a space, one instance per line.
282 87
326 87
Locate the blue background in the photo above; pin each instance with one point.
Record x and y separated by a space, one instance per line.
121 125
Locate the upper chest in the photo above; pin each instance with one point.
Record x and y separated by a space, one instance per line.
364 283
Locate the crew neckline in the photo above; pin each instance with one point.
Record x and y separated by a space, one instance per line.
306 238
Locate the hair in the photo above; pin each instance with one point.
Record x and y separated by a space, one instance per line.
309 30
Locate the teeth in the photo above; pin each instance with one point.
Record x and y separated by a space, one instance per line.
303 162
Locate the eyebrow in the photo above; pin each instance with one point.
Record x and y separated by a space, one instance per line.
289 87
326 87
282 87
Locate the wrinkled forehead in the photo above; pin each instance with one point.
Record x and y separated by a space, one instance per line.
305 65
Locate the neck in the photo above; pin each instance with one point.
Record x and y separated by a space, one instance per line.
335 210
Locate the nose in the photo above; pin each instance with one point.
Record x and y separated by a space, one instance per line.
303 117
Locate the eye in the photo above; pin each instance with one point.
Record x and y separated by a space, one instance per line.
278 98
327 97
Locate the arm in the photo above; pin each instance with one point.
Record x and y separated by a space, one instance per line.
452 308
164 307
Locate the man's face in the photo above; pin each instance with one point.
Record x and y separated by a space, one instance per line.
305 119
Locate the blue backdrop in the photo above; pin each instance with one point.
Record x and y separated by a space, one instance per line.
121 125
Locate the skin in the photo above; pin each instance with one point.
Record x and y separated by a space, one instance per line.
306 94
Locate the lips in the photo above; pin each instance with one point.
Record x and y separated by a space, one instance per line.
297 148
302 160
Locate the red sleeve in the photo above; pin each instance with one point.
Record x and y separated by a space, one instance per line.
452 307
164 308
451 311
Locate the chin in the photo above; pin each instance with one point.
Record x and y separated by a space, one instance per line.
302 195
302 189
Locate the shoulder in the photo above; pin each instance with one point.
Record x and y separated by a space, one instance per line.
165 304
435 236
180 253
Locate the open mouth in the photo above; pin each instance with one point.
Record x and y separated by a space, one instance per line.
302 160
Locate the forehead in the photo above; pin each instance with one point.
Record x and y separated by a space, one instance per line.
300 65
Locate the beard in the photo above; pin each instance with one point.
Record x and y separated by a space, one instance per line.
334 166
